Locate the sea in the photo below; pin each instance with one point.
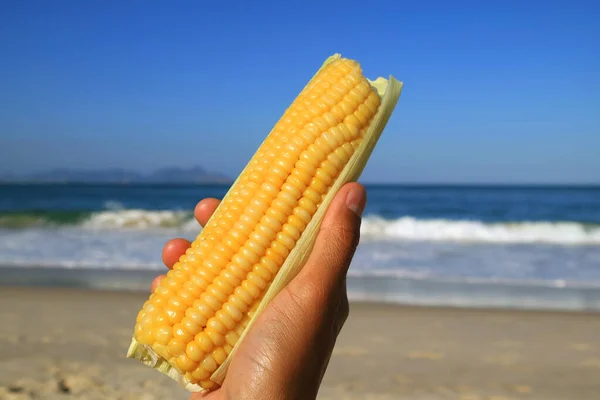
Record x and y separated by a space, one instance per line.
486 246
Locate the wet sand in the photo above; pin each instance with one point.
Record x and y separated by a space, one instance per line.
70 344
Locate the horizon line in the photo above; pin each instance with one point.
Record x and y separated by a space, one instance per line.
230 182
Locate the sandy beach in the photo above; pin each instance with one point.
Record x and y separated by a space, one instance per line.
70 344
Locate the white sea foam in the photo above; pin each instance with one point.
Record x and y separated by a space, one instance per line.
409 228
140 219
373 228
377 261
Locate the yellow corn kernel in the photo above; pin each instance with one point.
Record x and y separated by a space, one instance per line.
199 311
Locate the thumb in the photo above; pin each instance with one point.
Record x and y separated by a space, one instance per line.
335 243
288 347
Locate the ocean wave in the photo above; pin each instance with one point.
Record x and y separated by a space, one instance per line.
41 218
373 227
408 228
112 218
114 205
140 219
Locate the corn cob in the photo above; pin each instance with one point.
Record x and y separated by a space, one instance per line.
264 228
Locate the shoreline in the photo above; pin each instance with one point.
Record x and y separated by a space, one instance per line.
354 302
376 288
71 344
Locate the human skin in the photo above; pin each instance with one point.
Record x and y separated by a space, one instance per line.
287 350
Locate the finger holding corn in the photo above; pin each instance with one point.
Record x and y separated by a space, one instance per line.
264 228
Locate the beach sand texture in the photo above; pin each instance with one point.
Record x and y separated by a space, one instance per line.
70 344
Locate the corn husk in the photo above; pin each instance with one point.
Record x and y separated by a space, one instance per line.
389 90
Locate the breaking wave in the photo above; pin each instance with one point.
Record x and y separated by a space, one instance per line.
408 228
373 227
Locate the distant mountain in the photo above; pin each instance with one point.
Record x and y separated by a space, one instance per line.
88 176
194 174
6 177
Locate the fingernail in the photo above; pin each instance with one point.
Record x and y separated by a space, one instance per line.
355 201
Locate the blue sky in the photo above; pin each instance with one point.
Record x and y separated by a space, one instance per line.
496 91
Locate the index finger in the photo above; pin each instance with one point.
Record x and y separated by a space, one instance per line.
204 209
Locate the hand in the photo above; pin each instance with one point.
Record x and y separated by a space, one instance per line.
287 350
